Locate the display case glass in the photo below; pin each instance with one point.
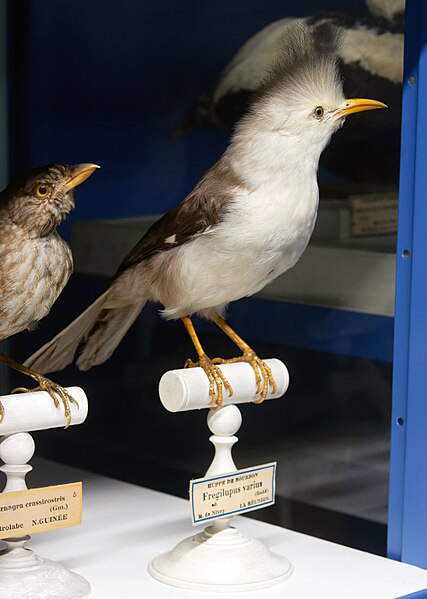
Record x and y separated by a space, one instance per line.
131 86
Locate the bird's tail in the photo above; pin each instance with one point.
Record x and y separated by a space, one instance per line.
110 328
99 327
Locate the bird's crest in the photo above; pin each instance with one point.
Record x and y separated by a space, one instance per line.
307 55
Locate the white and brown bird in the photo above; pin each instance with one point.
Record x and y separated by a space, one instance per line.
35 262
247 221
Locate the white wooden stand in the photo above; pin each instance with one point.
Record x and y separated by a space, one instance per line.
220 558
24 575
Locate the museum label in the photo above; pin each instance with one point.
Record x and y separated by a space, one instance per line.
230 494
39 510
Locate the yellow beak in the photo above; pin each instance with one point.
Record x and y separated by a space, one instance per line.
79 173
358 105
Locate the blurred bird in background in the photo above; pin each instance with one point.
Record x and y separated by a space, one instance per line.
371 62
248 219
35 262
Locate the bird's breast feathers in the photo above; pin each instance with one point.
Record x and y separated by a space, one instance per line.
261 235
45 277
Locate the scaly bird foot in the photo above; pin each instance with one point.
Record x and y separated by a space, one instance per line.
263 375
217 381
55 391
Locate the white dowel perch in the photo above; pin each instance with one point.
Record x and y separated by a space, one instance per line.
188 388
35 411
220 558
22 573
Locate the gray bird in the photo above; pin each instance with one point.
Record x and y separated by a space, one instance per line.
35 262
248 219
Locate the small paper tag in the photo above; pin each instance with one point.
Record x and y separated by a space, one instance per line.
374 214
230 494
38 510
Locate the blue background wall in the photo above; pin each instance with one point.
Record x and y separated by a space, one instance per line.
107 81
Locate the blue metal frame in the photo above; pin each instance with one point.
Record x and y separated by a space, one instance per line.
417 595
408 477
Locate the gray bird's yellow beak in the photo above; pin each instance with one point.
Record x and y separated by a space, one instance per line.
358 105
79 173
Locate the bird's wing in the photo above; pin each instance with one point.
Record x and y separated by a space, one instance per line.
201 210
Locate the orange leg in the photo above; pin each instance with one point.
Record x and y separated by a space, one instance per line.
217 380
44 384
263 375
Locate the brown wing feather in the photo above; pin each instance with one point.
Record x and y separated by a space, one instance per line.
202 209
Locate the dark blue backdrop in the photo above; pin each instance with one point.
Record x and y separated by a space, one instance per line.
107 81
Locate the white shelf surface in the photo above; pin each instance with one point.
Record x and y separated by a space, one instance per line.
125 526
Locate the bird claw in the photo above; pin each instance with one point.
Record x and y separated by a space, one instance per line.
190 364
54 390
263 380
217 380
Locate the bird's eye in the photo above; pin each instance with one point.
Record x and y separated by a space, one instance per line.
318 112
42 191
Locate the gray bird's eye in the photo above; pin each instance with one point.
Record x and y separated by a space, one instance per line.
318 112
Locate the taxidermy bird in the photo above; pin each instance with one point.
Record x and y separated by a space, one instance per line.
35 262
371 62
248 219
392 11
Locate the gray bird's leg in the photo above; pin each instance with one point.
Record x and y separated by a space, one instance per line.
262 380
44 384
217 380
